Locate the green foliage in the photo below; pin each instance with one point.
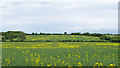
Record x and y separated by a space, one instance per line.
11 35
71 53
21 36
115 40
0 33
61 38
76 33
58 37
87 34
36 34
3 39
96 34
65 33
33 33
111 38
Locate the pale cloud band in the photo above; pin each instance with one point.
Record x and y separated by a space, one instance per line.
59 0
52 16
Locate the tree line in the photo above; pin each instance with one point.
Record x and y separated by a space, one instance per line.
21 36
65 33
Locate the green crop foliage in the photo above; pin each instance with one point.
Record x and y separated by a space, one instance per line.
56 38
59 53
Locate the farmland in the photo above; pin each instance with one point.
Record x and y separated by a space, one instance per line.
59 53
56 38
75 49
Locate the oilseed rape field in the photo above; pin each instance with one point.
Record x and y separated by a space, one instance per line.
59 53
60 37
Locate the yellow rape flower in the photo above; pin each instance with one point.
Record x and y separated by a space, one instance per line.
87 59
49 65
41 64
111 66
69 55
62 62
59 60
100 64
51 56
26 60
70 66
97 65
54 64
79 64
27 51
37 60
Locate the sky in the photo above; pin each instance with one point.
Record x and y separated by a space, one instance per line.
57 16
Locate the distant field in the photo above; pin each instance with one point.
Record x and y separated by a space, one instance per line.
60 37
0 37
59 54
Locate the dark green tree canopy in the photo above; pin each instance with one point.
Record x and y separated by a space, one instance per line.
14 34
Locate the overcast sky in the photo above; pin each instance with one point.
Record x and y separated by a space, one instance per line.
60 15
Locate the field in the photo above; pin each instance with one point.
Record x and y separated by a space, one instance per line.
0 37
59 53
60 37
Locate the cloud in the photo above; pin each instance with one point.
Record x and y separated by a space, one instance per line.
59 1
60 16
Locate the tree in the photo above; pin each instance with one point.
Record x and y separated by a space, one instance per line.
65 33
76 33
10 36
5 35
87 34
96 34
21 36
13 34
3 39
102 37
33 33
40 33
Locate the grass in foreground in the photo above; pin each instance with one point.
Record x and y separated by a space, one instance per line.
59 54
